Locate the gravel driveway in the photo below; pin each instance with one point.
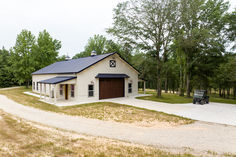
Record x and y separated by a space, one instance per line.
212 112
199 136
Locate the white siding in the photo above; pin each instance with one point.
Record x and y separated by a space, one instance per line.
87 77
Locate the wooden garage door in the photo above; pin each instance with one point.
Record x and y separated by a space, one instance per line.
111 88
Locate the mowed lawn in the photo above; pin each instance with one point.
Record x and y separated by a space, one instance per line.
106 111
25 139
176 99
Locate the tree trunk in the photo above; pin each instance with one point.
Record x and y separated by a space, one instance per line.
166 84
181 88
228 93
188 85
188 78
158 75
220 92
159 86
223 92
234 92
27 84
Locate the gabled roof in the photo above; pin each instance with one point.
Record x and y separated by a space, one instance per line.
73 65
57 79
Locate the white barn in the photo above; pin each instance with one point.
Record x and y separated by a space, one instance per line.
87 79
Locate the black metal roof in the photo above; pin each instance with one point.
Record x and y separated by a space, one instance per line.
73 65
58 79
112 76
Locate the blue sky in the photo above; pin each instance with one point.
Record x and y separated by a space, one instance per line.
70 21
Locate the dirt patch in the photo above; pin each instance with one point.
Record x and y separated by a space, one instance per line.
126 114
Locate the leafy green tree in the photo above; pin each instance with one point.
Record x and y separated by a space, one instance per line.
231 20
81 54
22 59
62 58
6 74
146 24
101 45
96 43
46 50
200 33
125 50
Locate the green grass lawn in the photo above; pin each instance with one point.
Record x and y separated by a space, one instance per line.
103 110
175 99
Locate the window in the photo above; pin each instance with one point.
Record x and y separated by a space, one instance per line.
130 88
61 89
33 85
90 90
72 92
112 63
37 86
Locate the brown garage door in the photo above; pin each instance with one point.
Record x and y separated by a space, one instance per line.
111 88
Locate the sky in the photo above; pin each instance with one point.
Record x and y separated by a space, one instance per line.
72 22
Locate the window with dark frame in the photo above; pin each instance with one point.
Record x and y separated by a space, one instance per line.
112 63
37 87
61 89
91 90
72 91
33 85
130 88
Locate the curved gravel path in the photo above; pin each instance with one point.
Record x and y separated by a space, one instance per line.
199 136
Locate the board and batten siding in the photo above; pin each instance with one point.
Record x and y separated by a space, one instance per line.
87 77
37 78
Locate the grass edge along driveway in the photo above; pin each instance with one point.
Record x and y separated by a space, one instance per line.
106 111
176 99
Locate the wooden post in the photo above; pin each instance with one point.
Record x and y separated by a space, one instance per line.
50 93
40 87
45 91
55 94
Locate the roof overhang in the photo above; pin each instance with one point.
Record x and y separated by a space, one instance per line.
58 79
111 76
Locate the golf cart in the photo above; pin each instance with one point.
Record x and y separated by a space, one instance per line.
200 96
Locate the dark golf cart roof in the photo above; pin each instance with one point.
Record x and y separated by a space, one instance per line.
75 65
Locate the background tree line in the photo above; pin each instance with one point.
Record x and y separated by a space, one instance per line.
182 44
177 45
26 56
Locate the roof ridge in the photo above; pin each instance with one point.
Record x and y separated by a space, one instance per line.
75 63
95 55
85 57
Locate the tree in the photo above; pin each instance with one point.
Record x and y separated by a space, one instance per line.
124 49
101 45
96 43
22 58
147 24
231 20
6 75
46 50
201 32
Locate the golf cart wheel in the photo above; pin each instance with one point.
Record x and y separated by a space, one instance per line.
202 102
194 102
